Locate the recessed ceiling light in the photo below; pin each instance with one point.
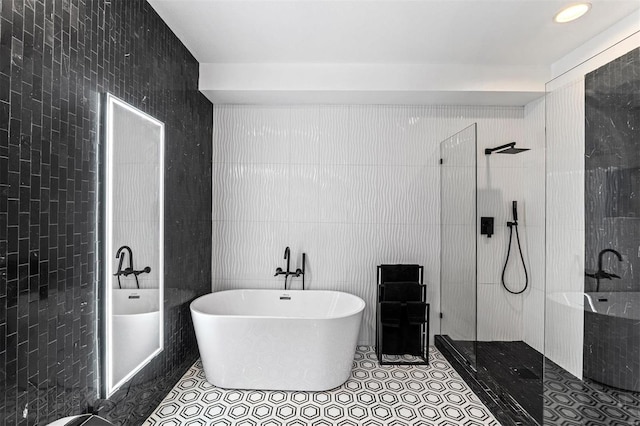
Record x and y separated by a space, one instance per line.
571 12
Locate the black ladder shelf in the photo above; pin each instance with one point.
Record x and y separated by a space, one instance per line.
402 312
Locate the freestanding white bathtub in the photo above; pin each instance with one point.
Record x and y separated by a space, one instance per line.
301 340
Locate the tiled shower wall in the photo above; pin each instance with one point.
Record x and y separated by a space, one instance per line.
533 209
55 60
564 316
352 186
502 179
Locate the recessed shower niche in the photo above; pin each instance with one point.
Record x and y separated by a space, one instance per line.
132 249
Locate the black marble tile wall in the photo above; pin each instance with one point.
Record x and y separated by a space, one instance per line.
56 57
611 353
612 172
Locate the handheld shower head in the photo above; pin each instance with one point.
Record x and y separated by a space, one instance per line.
514 209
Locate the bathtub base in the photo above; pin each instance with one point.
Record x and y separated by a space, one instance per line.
611 346
317 356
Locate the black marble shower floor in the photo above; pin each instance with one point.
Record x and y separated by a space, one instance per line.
510 373
514 368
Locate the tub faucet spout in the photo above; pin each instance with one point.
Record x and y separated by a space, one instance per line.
287 256
603 252
120 255
128 271
601 273
279 271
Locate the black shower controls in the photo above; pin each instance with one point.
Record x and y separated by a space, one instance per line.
486 226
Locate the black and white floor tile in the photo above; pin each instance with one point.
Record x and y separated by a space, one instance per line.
569 401
417 395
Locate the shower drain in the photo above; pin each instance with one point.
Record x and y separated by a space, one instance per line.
524 373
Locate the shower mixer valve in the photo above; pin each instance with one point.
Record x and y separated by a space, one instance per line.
486 226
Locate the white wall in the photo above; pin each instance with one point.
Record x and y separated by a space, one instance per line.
352 186
534 190
564 320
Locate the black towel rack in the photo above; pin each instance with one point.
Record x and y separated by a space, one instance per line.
402 312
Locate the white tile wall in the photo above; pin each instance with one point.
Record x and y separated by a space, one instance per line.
564 324
352 186
502 179
500 314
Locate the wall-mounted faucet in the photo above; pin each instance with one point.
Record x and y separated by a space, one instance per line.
120 254
287 273
128 271
601 273
287 255
279 271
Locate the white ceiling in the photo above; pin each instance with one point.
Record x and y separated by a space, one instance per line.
498 34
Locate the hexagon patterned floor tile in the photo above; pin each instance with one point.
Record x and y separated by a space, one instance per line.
375 395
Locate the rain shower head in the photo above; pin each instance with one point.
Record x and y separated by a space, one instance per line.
505 149
513 151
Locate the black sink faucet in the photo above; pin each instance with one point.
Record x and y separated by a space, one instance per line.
601 273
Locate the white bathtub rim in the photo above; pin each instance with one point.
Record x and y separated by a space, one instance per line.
361 305
588 302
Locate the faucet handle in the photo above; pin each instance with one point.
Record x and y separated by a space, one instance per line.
278 272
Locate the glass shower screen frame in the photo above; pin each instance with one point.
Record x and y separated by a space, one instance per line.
458 242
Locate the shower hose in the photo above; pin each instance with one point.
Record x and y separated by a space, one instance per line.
512 226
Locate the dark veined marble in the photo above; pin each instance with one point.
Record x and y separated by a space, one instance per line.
612 221
612 172
55 60
507 378
611 354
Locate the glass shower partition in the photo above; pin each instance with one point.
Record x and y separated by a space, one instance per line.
592 309
458 239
